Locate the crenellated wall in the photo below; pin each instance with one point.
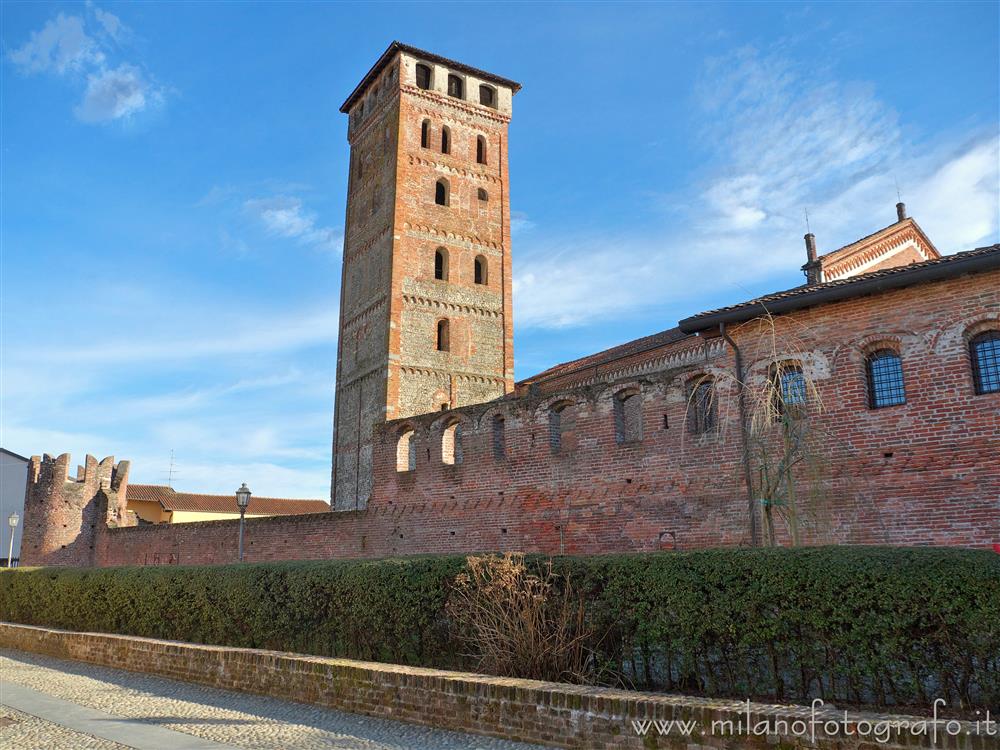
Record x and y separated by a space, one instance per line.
64 516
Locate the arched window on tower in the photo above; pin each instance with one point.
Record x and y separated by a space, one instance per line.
425 134
441 264
480 150
441 192
479 270
443 335
482 195
445 140
455 86
423 76
488 96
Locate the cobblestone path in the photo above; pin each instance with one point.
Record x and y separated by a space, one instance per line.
48 703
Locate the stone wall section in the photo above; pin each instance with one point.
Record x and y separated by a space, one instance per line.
575 717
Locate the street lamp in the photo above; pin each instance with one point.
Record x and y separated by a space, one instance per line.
242 500
12 520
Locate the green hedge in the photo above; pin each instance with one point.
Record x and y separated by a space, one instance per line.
859 625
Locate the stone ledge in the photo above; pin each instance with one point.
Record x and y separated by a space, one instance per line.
561 715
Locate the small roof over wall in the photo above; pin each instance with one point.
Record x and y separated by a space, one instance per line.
170 500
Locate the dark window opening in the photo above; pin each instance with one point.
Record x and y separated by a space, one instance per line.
441 264
441 193
445 141
885 379
443 336
487 96
482 195
425 134
455 86
423 76
480 150
985 352
479 270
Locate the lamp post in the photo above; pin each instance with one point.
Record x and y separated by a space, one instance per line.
12 520
242 500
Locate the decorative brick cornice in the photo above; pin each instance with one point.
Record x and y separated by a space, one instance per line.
437 304
460 108
455 170
425 232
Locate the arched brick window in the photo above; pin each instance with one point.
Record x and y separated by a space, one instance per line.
425 134
479 270
482 195
488 96
499 438
423 76
480 150
560 425
442 192
445 140
789 389
628 416
984 349
702 405
443 335
451 444
406 455
441 264
455 86
884 372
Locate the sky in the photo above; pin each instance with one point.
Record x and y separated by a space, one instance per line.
173 186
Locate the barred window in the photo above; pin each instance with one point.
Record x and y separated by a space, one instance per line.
985 352
885 379
790 390
704 414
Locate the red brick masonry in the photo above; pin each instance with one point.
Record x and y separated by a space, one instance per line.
568 716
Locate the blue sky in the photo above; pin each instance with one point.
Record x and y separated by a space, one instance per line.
174 176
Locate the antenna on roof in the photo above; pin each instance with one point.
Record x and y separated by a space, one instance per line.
808 230
899 197
900 206
172 471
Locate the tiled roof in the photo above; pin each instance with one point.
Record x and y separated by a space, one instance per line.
841 252
429 57
172 500
809 294
621 351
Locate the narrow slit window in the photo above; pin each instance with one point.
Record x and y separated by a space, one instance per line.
480 150
425 134
406 456
443 336
499 438
441 264
451 444
479 270
441 196
445 141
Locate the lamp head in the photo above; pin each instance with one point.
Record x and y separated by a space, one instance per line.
243 496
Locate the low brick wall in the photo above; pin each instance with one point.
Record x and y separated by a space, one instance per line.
556 714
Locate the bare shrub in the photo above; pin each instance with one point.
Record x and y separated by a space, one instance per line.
517 624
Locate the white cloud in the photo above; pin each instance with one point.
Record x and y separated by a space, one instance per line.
61 46
64 47
114 94
285 216
784 140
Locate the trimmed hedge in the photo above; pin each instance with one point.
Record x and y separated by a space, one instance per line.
873 626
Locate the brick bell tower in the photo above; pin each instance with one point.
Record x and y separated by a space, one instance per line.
425 300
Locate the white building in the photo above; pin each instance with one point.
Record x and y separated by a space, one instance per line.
13 478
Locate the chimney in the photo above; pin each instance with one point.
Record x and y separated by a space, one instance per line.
812 266
900 211
811 247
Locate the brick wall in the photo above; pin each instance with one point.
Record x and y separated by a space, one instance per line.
926 472
559 715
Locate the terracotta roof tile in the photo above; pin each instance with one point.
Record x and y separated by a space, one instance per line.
172 500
